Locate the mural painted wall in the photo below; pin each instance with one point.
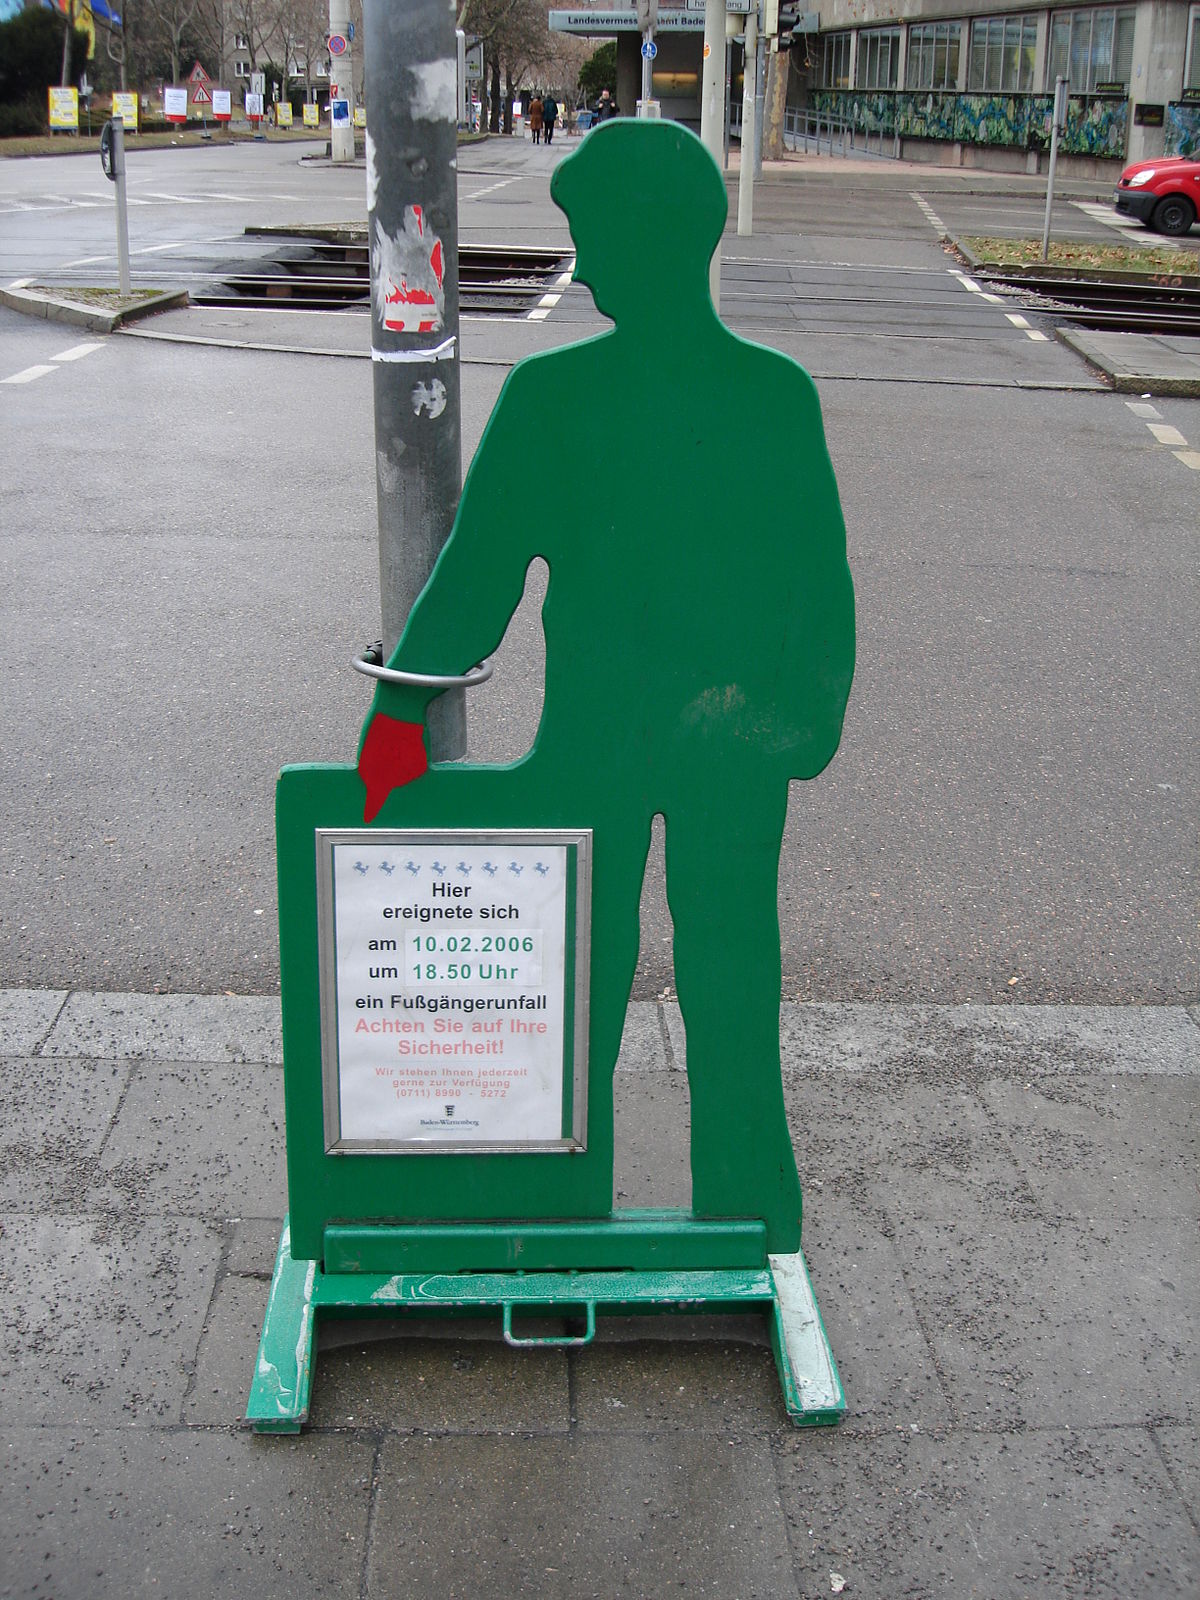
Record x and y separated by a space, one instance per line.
1182 128
1095 127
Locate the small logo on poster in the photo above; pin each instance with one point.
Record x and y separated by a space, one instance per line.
449 1110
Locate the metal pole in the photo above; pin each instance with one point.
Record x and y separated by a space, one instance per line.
118 136
712 105
760 104
341 139
412 220
1060 122
745 222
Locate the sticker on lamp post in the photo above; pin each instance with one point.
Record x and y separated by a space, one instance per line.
453 989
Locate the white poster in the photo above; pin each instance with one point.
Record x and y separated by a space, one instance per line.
449 982
175 103
222 103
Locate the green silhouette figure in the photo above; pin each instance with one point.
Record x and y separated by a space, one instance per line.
699 625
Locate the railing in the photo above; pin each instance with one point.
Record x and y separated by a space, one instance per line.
802 128
817 130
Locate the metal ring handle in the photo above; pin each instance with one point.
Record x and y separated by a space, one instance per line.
424 680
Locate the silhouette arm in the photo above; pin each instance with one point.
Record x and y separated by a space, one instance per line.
462 612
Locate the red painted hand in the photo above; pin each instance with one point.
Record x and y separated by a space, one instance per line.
392 754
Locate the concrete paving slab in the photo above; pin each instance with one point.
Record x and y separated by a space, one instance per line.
455 1384
224 1368
1092 1146
970 1516
1070 1324
1140 363
121 1513
961 1041
1180 1448
888 1141
57 1116
168 1027
659 1386
103 1317
651 1129
568 1519
253 1242
197 1140
26 1017
643 1047
885 1362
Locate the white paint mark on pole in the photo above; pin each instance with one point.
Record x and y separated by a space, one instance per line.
439 352
435 88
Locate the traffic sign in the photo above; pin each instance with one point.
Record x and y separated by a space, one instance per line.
649 49
338 44
199 94
198 75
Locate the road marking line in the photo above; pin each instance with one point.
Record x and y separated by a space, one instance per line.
85 261
77 352
1165 434
1141 409
491 189
1129 226
29 374
20 283
1017 320
931 215
1190 458
969 283
567 277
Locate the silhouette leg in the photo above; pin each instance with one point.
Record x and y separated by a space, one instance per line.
727 969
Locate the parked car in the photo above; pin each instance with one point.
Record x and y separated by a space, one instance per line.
1164 195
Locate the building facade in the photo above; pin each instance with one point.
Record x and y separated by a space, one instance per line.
974 83
966 82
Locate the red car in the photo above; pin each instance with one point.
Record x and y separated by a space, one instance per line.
1165 195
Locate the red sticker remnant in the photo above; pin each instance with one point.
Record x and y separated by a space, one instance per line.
392 754
409 276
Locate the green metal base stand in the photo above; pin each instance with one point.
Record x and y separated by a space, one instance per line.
301 1291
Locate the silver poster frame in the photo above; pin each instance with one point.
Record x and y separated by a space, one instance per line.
575 1007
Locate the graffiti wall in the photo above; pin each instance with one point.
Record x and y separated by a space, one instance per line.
1095 126
1182 128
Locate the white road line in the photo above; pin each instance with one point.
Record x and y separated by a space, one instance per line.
969 283
1165 434
175 199
29 374
491 189
1190 458
20 283
1141 408
931 215
76 352
1129 226
85 261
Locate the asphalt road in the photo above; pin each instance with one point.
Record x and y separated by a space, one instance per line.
189 559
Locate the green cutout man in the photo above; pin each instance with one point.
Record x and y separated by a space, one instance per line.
699 626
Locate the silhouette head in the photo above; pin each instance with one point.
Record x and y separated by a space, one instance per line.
646 204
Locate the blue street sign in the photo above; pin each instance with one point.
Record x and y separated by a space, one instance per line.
649 49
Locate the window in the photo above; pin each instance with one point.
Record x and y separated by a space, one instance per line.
241 41
835 64
933 55
241 69
1191 78
1090 46
1002 54
878 58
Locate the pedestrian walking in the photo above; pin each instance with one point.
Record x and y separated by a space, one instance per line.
549 116
535 120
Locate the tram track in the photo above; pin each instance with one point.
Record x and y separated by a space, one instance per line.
1111 304
310 273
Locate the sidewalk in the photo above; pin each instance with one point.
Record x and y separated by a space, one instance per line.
1001 1212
